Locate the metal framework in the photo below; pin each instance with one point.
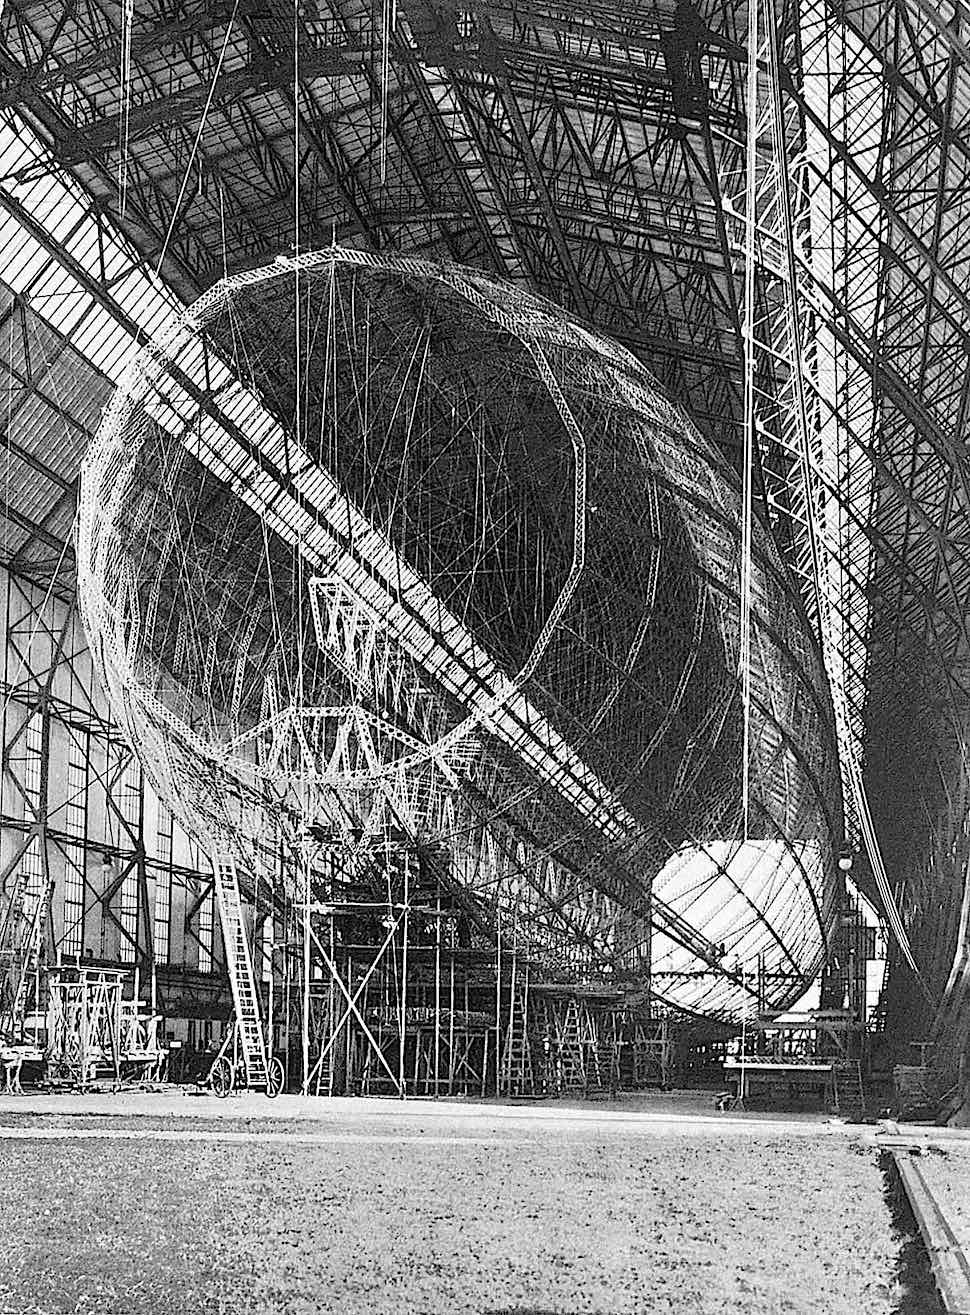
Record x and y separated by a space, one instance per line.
595 153
77 821
387 582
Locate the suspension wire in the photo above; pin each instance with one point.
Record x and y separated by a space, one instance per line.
8 438
388 22
298 370
222 230
747 508
198 138
124 118
297 559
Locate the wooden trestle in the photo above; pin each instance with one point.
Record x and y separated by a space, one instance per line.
93 1032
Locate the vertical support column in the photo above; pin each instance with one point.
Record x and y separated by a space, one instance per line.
404 975
453 936
437 989
305 1014
498 1002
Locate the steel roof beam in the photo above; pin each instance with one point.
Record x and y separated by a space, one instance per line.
456 166
106 57
313 129
931 12
145 235
90 142
533 168
879 194
36 531
894 76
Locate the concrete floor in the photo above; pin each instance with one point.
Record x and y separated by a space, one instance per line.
184 1102
149 1203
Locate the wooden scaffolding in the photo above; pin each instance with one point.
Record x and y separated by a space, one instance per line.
94 1033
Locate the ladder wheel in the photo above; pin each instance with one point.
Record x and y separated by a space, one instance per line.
222 1078
275 1077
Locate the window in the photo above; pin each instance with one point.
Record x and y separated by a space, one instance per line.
206 933
32 864
206 915
162 918
76 856
125 789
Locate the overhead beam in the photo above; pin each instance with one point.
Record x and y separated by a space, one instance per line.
106 56
268 73
946 31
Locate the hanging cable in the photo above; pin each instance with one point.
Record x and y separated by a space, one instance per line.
747 500
127 20
217 72
388 19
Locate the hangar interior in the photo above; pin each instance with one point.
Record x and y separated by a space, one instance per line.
754 219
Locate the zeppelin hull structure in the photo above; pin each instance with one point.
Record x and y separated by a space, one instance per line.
375 543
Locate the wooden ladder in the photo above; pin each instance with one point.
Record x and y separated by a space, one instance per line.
597 1053
239 962
517 1077
11 960
847 1089
21 955
571 1057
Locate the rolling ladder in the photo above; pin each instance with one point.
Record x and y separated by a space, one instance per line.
239 962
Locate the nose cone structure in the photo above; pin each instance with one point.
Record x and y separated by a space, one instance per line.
373 544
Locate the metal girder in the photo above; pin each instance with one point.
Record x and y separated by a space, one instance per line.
35 530
149 234
931 12
73 729
86 143
576 251
524 142
894 75
458 172
537 194
43 78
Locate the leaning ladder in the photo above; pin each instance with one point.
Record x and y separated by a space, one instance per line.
11 1021
516 1077
568 1050
847 1088
240 965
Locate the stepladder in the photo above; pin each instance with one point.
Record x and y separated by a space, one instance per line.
243 1060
